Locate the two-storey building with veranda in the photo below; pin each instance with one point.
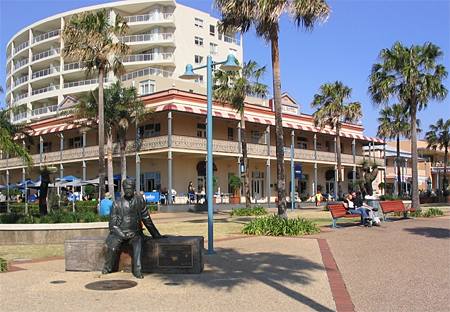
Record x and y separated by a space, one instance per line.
168 150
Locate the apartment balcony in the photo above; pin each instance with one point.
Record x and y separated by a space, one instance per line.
20 81
19 97
149 71
159 38
149 18
20 117
38 112
46 54
81 83
20 64
155 58
45 72
73 66
48 35
21 46
44 90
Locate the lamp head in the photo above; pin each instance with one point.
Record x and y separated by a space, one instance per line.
231 64
189 73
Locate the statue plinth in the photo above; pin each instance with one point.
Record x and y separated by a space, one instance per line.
176 254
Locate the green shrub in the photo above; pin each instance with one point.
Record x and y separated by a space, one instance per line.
9 218
253 211
152 208
3 265
415 214
433 212
86 206
276 226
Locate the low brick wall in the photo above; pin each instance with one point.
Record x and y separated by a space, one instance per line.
25 234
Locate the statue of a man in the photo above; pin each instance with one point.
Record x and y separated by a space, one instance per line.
125 225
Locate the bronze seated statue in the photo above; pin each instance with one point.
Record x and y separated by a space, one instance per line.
125 225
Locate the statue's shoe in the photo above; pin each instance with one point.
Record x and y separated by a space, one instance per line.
138 275
106 271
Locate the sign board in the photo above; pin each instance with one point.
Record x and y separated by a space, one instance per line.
152 197
298 171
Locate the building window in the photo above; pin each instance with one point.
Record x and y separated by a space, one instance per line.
212 30
150 130
302 143
47 147
230 134
198 59
201 130
198 41
255 136
198 22
213 48
76 142
199 79
147 87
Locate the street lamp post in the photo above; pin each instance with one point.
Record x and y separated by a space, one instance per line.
230 64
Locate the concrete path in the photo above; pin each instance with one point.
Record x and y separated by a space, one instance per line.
400 266
248 274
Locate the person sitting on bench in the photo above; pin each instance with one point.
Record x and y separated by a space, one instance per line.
371 211
351 208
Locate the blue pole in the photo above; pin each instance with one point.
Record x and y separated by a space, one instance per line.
292 173
209 155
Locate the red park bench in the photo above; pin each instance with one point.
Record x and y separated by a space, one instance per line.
389 206
338 210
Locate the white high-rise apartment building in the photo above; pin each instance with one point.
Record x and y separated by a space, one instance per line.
163 36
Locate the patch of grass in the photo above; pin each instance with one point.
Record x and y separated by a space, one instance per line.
415 214
276 226
253 211
12 252
433 212
3 265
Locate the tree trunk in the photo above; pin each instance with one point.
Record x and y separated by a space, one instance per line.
281 183
123 158
399 176
445 181
338 158
101 135
109 144
245 160
415 177
43 192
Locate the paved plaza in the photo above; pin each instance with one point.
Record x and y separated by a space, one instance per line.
399 266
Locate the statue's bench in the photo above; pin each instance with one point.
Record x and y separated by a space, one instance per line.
175 254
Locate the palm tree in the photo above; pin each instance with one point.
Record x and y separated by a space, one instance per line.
392 124
439 137
265 17
333 112
89 38
412 75
122 108
8 131
233 87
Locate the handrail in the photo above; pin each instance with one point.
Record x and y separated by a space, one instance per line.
82 83
20 116
21 46
152 17
21 63
46 54
145 72
20 80
72 66
19 97
50 34
45 72
148 57
147 37
44 110
230 39
46 89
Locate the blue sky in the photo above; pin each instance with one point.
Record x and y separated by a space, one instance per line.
344 48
